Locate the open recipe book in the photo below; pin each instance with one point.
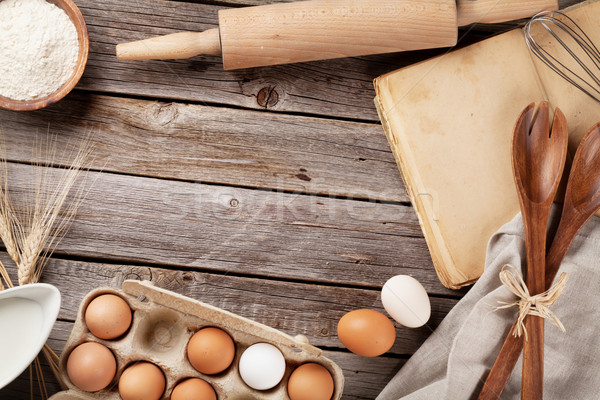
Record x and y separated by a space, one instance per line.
449 121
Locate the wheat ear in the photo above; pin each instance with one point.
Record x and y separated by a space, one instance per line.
49 217
30 242
7 220
31 249
7 215
7 223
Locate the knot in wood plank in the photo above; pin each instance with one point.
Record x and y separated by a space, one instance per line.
267 97
164 114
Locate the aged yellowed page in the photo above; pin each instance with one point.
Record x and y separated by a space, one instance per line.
449 121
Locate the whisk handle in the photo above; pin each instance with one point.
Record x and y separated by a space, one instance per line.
494 11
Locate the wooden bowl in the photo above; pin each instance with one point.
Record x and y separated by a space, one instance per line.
84 46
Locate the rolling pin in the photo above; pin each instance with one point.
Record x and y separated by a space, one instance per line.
323 29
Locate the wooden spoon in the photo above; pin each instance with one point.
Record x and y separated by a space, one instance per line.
538 157
582 200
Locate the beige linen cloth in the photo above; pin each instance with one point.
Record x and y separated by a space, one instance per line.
453 362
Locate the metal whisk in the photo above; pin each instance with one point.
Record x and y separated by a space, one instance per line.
573 45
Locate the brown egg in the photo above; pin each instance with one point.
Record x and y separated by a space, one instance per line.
142 381
108 316
211 350
310 382
365 332
91 366
193 389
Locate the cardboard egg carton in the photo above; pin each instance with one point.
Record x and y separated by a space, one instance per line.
163 322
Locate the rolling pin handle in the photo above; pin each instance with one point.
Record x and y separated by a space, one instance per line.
494 11
173 46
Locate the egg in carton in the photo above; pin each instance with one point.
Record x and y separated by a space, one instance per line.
163 322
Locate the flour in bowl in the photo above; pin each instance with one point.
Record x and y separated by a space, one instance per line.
38 49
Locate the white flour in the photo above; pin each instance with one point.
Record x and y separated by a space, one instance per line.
38 49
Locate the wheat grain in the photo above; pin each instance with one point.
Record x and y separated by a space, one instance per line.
28 259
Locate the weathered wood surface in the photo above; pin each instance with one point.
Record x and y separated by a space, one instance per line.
216 145
286 219
243 231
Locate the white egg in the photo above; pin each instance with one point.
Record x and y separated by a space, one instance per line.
262 366
406 300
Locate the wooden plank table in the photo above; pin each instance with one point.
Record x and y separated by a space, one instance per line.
269 192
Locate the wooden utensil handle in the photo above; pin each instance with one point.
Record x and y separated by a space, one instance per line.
173 46
323 29
535 243
494 11
562 241
532 383
503 366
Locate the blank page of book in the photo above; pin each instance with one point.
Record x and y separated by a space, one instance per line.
449 121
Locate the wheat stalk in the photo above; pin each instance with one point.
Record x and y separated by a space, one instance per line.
48 217
5 281
30 241
52 359
6 221
7 213
40 378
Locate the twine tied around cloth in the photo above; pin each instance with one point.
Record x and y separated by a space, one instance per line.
538 305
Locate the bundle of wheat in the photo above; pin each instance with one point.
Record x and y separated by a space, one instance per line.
31 231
